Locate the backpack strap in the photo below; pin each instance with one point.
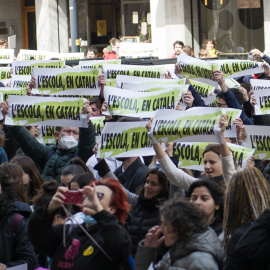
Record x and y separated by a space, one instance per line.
16 220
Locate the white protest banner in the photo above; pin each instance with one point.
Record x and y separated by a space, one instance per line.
194 68
232 83
26 67
258 138
51 111
125 79
261 89
111 71
20 80
46 135
195 124
154 87
138 104
98 123
71 56
206 91
263 102
79 92
53 80
5 73
191 154
231 113
12 91
158 87
240 154
124 139
202 88
134 49
197 68
6 56
237 68
34 55
258 85
98 63
111 82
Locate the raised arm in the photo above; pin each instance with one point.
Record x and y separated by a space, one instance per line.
175 176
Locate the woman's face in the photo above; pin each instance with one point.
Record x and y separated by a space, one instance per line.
202 198
74 186
209 45
152 187
212 164
66 179
168 232
25 178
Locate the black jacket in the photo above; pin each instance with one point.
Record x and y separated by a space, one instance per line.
80 252
254 245
133 176
50 158
144 215
15 247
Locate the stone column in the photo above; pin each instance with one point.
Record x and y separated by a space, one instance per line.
171 21
266 10
52 25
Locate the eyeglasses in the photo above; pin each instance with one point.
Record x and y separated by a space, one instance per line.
69 131
221 104
100 195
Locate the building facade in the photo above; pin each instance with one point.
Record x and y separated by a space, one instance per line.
236 25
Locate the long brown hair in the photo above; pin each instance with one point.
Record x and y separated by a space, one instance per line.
247 196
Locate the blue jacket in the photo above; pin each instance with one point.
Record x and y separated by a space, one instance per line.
233 103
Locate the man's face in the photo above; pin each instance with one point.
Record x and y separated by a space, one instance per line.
67 131
177 49
95 110
90 54
221 103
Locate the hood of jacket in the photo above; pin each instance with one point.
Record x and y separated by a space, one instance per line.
204 242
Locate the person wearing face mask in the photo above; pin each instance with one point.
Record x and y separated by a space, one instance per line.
70 142
111 51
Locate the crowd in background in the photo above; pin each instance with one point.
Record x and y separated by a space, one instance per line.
132 212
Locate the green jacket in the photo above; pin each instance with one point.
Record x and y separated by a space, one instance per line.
50 158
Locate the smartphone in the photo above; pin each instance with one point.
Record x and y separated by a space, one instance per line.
73 197
250 56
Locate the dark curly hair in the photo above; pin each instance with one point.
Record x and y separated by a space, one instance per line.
186 219
216 191
163 181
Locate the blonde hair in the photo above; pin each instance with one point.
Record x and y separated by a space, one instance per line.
247 196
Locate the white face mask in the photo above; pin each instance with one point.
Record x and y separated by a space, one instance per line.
68 142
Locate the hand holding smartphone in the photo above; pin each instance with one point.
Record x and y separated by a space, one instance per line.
73 197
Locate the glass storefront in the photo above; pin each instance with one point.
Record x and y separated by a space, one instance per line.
100 20
237 26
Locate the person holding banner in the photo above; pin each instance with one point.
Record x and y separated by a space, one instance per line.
71 142
218 161
230 100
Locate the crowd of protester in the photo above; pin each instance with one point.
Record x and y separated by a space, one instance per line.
134 212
